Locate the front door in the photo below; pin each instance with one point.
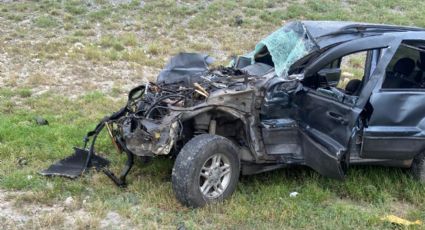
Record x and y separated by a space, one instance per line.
329 112
326 125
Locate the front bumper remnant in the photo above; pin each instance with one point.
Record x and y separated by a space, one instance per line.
85 158
75 165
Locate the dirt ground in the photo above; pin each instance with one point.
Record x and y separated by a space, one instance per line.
67 214
71 79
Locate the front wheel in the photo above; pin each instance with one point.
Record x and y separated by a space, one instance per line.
206 170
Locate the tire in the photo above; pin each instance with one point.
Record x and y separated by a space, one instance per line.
418 167
217 159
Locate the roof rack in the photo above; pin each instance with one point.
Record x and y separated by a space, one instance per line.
363 27
371 28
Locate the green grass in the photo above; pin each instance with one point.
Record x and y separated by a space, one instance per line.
148 35
45 22
261 201
175 25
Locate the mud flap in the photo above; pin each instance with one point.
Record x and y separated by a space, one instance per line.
75 165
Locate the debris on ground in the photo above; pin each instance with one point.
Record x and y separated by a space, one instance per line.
22 161
293 194
238 20
400 221
40 121
69 202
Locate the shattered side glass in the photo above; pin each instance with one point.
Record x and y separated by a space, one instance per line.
285 46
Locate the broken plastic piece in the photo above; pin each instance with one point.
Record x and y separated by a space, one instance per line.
400 221
75 165
41 121
293 194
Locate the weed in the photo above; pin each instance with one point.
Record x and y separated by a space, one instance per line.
75 7
25 92
46 22
128 39
111 42
38 78
92 53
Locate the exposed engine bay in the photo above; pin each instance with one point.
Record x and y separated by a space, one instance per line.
156 112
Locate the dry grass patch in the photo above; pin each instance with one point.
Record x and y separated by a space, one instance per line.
39 78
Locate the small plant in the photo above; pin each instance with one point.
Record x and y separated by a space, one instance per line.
75 8
111 42
92 53
8 106
129 39
15 17
154 49
25 92
136 55
46 22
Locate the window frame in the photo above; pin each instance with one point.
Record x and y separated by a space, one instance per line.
367 72
403 43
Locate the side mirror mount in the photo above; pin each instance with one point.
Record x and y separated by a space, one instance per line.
330 75
136 93
241 62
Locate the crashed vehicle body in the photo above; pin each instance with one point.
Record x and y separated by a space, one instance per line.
281 105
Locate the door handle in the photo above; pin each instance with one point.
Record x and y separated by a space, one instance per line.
337 117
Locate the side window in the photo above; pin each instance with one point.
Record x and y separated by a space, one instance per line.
342 79
352 68
406 69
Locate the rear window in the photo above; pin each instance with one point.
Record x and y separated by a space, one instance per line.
407 68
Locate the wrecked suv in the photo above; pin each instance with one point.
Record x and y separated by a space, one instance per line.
288 102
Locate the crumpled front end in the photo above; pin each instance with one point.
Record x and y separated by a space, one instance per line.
153 124
152 121
147 138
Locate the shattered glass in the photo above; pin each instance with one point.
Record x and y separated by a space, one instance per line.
285 46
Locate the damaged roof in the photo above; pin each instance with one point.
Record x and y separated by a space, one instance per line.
298 39
326 33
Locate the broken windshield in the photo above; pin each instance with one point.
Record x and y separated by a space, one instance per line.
283 48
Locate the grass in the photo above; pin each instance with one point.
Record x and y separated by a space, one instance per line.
167 22
261 201
45 22
147 34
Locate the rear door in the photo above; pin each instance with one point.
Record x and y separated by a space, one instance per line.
396 129
329 115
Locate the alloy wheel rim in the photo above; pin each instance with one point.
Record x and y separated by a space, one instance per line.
214 176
